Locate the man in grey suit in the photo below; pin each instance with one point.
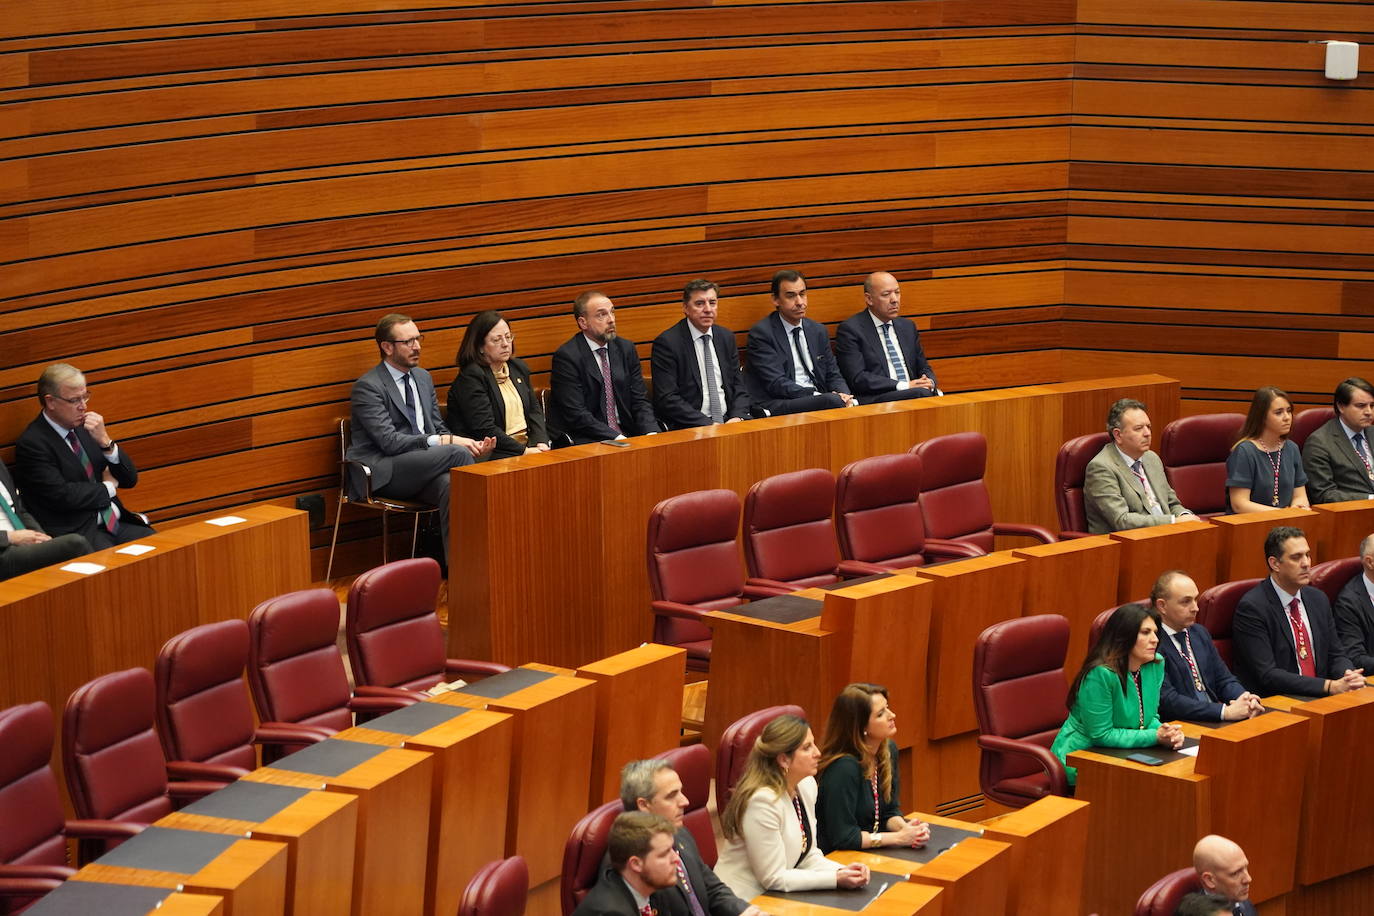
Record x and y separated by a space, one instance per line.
1354 611
1125 486
1337 454
398 433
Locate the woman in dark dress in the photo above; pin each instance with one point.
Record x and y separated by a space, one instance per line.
1264 469
492 395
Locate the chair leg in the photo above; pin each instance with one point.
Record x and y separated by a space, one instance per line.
415 535
385 538
333 542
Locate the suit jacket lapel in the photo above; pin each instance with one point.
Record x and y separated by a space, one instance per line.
1123 471
1285 627
694 367
393 392
498 404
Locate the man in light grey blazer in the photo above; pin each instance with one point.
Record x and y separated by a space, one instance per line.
1125 486
398 432
1337 455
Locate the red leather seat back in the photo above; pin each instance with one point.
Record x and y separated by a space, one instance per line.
1098 625
788 534
1332 575
693 766
954 496
111 755
1163 897
394 639
583 852
1194 451
1308 421
1019 690
499 888
878 512
732 753
1216 607
1070 467
693 555
294 667
203 711
30 807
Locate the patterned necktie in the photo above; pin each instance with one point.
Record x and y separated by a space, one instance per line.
1306 664
892 355
410 404
686 885
608 390
1362 450
1185 648
713 405
1150 502
800 347
106 515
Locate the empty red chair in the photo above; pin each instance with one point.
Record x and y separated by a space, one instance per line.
583 854
954 496
789 538
395 643
1163 897
1332 575
879 515
1308 421
693 555
1019 693
732 753
204 715
1070 468
295 671
499 888
693 766
1194 451
1216 607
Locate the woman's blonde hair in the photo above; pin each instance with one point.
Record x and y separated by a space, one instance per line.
782 735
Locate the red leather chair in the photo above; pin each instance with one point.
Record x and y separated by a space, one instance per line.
878 513
33 831
693 556
395 643
693 766
1306 422
1100 622
954 496
112 757
1163 897
499 888
1216 607
1332 575
1070 468
204 715
732 753
1019 690
1194 451
583 852
295 671
789 538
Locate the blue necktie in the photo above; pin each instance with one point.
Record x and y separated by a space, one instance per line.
892 355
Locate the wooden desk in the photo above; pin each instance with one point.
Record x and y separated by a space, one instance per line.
472 763
319 830
84 897
1240 545
1048 840
903 899
638 711
1076 579
1147 552
1346 524
393 788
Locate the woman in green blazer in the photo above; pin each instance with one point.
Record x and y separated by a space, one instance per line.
1114 700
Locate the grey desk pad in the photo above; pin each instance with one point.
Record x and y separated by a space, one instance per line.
184 852
1155 751
246 801
84 898
852 899
412 720
942 839
331 757
1216 725
836 586
500 685
778 609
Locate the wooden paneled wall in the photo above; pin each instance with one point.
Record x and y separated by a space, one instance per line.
208 214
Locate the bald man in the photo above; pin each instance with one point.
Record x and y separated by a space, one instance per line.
1224 870
879 351
1197 684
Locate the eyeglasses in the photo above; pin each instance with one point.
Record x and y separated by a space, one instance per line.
76 401
412 342
504 338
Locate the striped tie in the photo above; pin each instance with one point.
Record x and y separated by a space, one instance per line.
107 516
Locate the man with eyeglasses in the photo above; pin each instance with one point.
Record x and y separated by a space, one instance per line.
398 433
70 468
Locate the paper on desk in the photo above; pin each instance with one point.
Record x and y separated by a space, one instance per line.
1190 751
136 550
86 569
224 521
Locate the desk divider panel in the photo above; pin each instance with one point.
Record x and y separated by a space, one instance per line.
1147 552
1048 839
1346 525
1240 541
1076 579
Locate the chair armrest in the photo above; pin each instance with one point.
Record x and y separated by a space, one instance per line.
680 611
776 585
215 772
364 476
376 706
1017 529
857 569
1059 780
367 690
102 830
1069 535
289 733
462 667
192 790
754 592
20 881
952 550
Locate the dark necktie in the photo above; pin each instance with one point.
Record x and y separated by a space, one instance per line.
608 390
1306 664
106 515
892 355
1362 450
1185 648
800 346
410 404
686 884
713 405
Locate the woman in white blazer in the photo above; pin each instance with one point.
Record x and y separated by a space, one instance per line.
770 822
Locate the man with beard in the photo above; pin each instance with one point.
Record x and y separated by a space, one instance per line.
598 386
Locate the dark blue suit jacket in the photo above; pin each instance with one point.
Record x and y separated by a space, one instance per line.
579 394
1266 658
769 374
1177 697
677 377
1355 623
863 358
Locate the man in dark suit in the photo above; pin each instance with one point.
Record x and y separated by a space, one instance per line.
654 787
1224 870
71 470
691 350
1283 632
1355 611
878 351
1197 684
24 546
643 863
791 368
598 386
397 432
1337 455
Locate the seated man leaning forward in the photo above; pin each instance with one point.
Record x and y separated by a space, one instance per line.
1125 486
879 351
397 430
